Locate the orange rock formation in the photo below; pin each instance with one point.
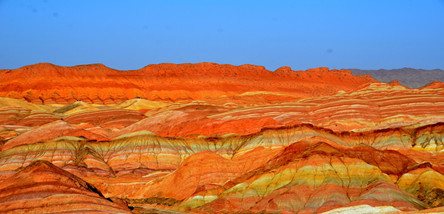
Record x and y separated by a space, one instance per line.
206 138
47 83
42 187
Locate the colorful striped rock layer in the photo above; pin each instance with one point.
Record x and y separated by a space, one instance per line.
209 138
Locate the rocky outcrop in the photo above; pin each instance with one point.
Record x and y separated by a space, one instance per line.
377 106
47 83
206 138
142 167
50 131
42 187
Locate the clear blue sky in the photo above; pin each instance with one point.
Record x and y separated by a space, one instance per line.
366 34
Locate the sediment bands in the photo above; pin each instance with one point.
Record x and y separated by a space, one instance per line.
47 83
303 164
209 138
42 187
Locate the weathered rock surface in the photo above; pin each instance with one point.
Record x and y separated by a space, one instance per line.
47 83
42 187
206 138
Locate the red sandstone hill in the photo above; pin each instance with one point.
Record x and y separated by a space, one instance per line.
42 187
96 83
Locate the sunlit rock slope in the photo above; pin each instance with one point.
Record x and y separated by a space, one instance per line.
47 83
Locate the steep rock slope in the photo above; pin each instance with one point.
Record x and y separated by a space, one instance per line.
42 187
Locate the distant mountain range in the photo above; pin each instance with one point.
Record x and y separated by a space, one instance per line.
410 77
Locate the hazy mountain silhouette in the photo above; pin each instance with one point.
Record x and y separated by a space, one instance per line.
410 77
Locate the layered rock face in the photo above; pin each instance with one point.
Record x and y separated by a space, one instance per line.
42 187
48 84
209 138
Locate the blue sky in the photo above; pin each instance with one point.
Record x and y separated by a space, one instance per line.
366 34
